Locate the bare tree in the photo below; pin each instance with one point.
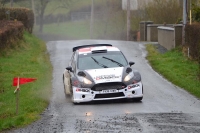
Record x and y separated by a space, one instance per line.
33 8
42 4
66 3
2 3
112 20
11 3
161 11
40 7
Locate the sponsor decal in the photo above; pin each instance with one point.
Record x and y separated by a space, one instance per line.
106 77
83 90
85 50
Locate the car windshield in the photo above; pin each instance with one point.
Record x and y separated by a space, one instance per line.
101 60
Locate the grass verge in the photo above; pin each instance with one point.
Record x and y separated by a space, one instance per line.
28 59
175 67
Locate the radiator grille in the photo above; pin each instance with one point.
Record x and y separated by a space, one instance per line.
109 95
108 86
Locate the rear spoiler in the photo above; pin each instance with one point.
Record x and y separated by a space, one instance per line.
91 45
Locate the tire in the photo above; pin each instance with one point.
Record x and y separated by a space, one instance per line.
64 84
138 99
67 90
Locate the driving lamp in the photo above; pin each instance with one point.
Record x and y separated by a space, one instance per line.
128 77
86 81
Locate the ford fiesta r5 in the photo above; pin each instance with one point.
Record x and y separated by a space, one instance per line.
101 72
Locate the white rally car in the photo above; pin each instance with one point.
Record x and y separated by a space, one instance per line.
101 72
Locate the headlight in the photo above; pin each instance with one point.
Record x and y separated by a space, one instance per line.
86 81
128 77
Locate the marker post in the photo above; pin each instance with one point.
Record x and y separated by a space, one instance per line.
16 82
17 90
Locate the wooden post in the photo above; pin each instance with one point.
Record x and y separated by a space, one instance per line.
17 97
128 20
190 13
11 3
92 19
184 20
33 8
17 102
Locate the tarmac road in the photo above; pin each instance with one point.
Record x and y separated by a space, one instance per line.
165 108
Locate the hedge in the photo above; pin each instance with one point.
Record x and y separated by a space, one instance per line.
10 32
193 40
24 15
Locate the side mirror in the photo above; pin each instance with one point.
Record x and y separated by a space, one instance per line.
69 68
131 63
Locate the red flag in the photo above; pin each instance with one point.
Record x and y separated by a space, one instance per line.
22 80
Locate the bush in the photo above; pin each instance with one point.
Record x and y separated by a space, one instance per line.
196 13
193 41
164 11
10 33
24 15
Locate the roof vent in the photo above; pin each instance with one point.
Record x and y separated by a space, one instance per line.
99 51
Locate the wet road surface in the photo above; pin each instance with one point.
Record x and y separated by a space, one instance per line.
165 108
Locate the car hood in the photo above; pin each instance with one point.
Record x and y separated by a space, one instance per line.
106 74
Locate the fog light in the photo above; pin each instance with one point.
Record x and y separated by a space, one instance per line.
135 85
83 96
78 89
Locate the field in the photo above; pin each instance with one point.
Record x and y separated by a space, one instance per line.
28 59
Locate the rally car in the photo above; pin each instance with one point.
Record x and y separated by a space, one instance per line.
101 72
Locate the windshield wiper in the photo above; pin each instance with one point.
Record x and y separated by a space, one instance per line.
102 65
119 64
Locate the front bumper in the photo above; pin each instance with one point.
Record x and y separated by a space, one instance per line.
87 95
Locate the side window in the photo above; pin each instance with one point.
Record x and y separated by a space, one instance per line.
70 63
73 61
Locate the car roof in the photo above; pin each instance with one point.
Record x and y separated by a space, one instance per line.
91 45
95 48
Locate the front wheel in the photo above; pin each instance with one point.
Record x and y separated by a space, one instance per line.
138 99
67 85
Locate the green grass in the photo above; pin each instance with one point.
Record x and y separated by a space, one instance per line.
177 68
57 7
28 59
110 26
81 29
78 30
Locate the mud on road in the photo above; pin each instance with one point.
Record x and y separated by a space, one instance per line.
124 123
160 122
